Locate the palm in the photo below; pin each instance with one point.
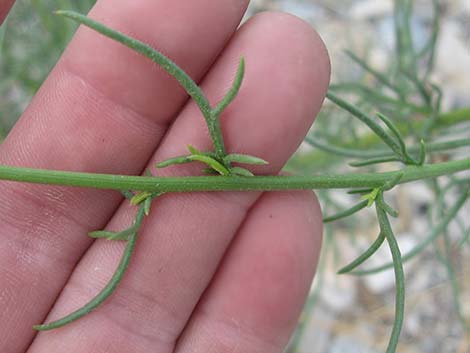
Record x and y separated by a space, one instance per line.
212 271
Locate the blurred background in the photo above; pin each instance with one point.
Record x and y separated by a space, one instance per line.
344 314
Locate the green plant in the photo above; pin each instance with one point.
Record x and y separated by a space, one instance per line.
370 186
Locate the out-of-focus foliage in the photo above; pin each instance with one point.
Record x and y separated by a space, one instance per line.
33 41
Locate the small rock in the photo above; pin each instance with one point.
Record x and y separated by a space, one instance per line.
370 9
347 344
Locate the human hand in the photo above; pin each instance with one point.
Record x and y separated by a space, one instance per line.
212 271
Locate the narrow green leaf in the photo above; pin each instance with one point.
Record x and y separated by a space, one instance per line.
241 172
172 161
368 253
193 150
371 197
122 235
390 210
127 194
390 184
140 197
373 125
210 171
244 159
359 191
373 161
211 162
386 229
348 212
101 234
378 75
3 29
165 63
436 231
394 129
422 153
232 93
376 98
465 238
109 288
147 205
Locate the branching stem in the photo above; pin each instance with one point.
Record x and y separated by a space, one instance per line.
108 289
230 183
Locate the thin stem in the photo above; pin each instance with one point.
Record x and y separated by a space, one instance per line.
375 96
399 275
430 46
373 161
465 238
362 258
214 122
167 64
232 93
347 212
353 153
453 117
374 126
394 131
3 29
106 291
378 75
215 131
404 40
229 183
436 231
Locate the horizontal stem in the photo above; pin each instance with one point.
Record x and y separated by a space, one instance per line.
376 153
454 117
226 183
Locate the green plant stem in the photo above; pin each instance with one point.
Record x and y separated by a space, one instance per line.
375 96
319 159
399 276
106 291
436 231
465 238
172 69
374 126
346 213
453 117
226 183
3 29
233 91
353 153
378 75
373 161
362 258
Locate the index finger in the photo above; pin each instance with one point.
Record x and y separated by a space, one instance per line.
103 109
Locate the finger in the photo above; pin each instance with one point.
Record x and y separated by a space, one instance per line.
103 109
254 300
183 242
5 6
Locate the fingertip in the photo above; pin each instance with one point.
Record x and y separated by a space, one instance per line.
307 48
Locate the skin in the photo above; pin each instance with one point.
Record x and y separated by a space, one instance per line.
5 6
212 272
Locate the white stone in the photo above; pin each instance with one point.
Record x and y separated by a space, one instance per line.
368 9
